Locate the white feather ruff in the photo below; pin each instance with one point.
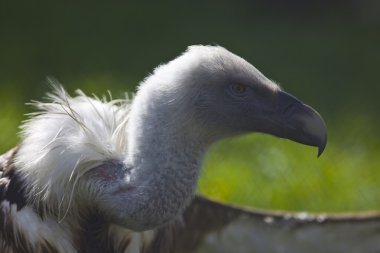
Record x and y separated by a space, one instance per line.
68 137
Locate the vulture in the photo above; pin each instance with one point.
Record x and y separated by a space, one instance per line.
97 175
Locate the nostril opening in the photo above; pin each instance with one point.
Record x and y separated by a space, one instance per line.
288 105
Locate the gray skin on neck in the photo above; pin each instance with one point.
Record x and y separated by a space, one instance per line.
167 147
178 112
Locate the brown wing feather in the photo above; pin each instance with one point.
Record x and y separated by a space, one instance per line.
211 227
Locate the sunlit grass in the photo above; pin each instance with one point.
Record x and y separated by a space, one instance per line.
271 173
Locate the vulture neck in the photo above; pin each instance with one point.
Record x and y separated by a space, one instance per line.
165 153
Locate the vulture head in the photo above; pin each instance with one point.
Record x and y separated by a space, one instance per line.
217 94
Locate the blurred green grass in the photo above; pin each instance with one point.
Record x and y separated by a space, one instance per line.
270 173
324 52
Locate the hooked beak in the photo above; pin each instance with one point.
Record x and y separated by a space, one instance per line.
296 121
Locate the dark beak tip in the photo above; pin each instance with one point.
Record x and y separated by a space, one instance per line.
299 122
322 147
320 151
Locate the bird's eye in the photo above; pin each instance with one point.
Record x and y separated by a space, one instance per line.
238 89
